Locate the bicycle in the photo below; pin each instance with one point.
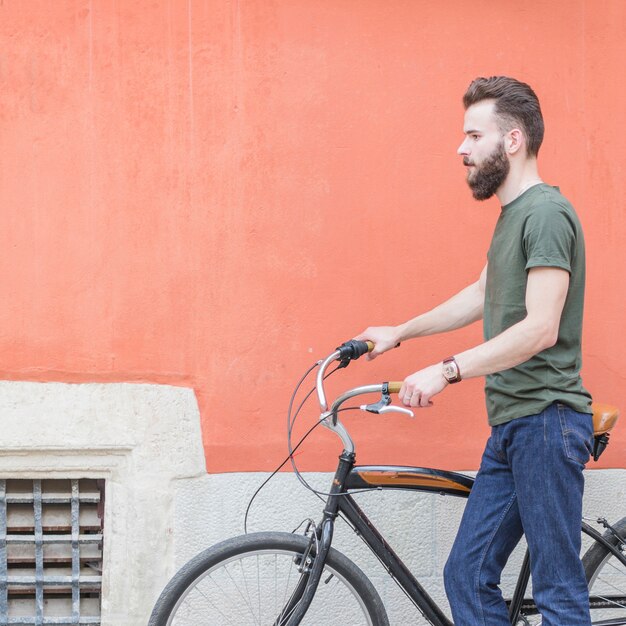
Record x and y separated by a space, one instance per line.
285 579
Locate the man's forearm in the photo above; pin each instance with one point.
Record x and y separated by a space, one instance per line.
512 347
545 297
462 309
515 345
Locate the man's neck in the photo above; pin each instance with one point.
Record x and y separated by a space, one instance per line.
520 178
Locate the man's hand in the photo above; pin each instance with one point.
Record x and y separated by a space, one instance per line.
383 337
418 389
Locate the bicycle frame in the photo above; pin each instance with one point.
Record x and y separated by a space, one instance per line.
350 477
411 478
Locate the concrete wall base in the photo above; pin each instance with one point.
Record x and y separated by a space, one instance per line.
140 439
420 527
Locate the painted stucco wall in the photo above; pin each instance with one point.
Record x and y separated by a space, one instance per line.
215 194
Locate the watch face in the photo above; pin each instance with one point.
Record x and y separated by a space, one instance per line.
449 371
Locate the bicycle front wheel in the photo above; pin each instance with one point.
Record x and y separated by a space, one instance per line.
248 581
606 576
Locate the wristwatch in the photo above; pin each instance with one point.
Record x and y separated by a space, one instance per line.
451 371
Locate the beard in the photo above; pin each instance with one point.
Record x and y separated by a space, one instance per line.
489 175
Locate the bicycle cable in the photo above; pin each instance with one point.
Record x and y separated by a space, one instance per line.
256 493
318 493
293 395
290 424
290 457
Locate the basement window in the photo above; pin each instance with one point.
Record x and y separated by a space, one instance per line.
51 535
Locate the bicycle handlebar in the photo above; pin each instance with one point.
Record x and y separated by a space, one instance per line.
346 352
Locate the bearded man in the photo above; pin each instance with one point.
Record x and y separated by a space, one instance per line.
530 298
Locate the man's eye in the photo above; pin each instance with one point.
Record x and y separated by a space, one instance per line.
475 137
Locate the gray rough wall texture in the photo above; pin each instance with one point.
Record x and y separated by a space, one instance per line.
420 527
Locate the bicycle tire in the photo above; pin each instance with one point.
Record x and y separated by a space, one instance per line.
189 599
606 576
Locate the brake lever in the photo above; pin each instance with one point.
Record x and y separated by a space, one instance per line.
392 408
378 407
384 406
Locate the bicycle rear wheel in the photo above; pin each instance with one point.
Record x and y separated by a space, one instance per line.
606 576
248 580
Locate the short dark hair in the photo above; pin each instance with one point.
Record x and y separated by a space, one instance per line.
516 104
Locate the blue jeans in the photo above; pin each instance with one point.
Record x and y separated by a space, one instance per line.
530 482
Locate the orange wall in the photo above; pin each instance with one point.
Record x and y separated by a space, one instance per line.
217 193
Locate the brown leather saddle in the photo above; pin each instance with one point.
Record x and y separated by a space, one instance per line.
604 418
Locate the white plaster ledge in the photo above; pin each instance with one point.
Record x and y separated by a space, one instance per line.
140 438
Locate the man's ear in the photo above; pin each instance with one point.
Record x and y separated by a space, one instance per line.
513 141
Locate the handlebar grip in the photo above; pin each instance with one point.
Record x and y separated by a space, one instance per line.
353 349
394 386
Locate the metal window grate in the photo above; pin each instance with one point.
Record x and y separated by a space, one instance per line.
51 534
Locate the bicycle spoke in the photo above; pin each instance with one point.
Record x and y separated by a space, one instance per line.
286 589
213 605
258 587
620 570
612 586
275 584
283 617
608 583
245 598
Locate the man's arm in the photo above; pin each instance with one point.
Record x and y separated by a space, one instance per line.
462 309
546 291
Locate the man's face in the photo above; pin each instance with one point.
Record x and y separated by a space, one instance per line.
483 150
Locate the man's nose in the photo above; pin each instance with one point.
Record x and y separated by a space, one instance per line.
463 149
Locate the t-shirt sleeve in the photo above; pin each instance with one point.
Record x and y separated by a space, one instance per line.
549 237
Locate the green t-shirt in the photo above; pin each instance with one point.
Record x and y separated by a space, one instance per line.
538 229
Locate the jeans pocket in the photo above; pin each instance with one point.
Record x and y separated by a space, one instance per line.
577 431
